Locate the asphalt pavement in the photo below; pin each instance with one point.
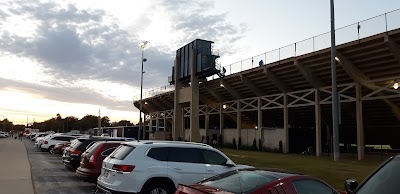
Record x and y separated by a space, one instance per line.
15 170
49 176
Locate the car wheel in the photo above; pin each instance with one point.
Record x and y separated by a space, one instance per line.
51 150
157 188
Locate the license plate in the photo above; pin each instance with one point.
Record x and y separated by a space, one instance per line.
106 173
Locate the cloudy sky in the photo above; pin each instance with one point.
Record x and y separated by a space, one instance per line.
74 57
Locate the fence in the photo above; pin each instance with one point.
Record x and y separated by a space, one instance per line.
375 25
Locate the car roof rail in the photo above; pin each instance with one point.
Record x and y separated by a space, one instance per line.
177 142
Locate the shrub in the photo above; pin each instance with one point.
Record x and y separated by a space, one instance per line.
260 146
254 144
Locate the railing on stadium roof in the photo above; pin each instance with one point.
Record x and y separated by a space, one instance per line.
356 31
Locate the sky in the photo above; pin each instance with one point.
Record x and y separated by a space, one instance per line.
74 57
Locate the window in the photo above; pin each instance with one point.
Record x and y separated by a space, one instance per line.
189 155
385 180
122 151
212 157
158 153
308 186
108 151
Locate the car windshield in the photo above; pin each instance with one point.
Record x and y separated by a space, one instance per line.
240 181
386 180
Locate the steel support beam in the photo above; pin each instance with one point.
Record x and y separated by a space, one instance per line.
308 75
358 76
393 47
318 144
360 124
286 123
239 124
257 91
213 93
279 83
231 90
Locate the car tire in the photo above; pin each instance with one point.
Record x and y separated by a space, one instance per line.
157 188
51 150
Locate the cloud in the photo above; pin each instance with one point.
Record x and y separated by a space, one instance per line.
68 94
73 44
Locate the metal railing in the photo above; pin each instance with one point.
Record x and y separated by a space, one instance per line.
154 92
375 25
362 29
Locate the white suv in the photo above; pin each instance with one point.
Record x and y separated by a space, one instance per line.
159 166
51 141
3 134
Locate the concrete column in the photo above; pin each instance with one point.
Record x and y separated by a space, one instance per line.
285 124
194 102
239 124
259 121
158 122
360 125
165 121
318 146
151 122
177 122
221 118
206 121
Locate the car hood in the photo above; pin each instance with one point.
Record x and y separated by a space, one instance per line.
198 187
242 166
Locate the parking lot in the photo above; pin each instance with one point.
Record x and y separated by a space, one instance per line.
49 176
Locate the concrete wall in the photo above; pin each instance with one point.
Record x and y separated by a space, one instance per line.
228 135
247 136
272 136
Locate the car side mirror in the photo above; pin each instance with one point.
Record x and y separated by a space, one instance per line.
350 185
229 164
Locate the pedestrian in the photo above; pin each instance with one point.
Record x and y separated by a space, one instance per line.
261 62
20 136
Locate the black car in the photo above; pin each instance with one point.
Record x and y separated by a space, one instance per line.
385 179
72 154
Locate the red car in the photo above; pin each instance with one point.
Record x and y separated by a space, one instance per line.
59 147
92 159
258 181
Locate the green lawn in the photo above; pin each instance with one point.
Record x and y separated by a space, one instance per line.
334 173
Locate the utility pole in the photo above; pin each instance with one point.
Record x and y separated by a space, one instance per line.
335 99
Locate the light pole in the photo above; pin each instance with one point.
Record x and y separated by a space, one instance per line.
335 98
142 45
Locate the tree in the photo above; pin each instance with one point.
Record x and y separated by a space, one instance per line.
105 121
125 123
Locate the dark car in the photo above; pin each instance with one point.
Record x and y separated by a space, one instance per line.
256 181
385 179
92 159
72 154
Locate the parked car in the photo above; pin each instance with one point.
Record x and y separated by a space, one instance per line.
59 147
3 134
385 179
92 159
258 181
159 166
72 154
51 141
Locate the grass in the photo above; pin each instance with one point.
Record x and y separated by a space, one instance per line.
334 173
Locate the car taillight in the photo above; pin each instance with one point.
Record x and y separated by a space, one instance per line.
75 152
123 168
92 159
46 142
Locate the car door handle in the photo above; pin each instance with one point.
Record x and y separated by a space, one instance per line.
177 169
210 170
